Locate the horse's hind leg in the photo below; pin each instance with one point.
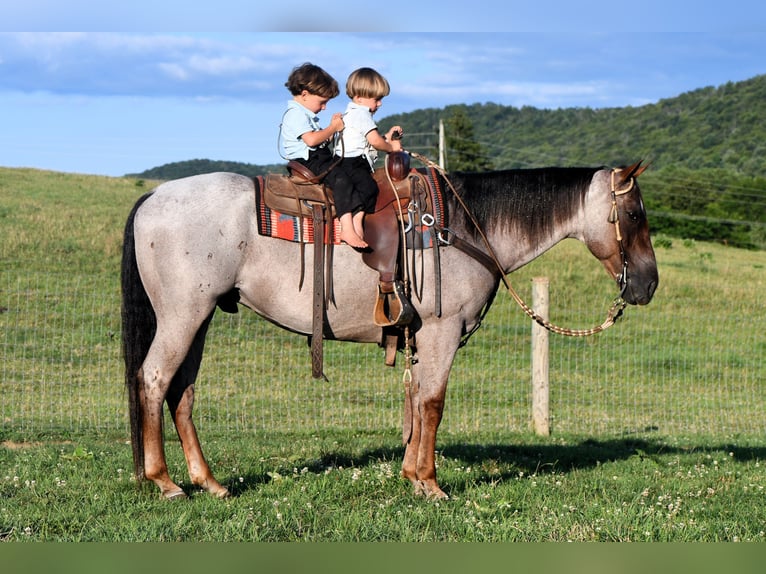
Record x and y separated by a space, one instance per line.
180 401
165 363
199 471
154 377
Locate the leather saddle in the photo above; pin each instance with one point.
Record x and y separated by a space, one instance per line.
297 193
302 194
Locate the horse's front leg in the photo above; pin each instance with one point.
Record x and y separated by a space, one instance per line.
429 388
419 465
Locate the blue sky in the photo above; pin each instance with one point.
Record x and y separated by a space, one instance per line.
124 101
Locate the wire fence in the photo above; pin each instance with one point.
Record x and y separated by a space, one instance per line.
671 367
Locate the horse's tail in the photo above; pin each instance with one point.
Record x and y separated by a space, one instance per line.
138 327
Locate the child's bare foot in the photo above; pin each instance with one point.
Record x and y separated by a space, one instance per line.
359 228
351 238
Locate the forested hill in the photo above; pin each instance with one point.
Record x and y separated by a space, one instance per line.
714 127
181 169
720 127
707 150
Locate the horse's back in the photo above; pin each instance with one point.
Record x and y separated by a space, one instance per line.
209 189
194 203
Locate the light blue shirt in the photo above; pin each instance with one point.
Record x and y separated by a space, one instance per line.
296 121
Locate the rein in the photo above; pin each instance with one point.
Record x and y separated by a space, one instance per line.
618 304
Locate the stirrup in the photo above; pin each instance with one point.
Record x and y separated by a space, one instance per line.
392 307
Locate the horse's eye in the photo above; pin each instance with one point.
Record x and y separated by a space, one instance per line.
633 215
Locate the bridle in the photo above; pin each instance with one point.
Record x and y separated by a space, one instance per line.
622 278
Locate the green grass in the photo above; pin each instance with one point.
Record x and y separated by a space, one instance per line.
345 487
657 423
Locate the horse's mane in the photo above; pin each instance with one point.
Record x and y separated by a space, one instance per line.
533 200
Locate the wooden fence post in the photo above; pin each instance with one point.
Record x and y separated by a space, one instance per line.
540 382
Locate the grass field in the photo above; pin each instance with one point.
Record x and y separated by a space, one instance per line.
336 486
657 423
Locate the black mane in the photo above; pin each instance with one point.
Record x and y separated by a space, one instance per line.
535 200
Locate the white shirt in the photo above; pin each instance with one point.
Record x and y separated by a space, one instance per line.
358 123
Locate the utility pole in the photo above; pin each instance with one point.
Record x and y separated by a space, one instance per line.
442 151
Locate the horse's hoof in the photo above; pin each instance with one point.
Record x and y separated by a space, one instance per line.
437 494
175 495
213 487
429 491
223 493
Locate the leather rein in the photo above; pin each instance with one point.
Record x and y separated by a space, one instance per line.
490 261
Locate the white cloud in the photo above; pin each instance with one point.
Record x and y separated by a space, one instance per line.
160 65
220 95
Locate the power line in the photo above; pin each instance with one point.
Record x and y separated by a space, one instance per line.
677 215
680 187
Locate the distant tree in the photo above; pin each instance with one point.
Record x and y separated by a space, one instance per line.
464 153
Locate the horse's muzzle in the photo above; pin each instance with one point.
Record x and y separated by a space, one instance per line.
640 291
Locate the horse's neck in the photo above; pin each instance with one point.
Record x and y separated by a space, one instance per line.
515 244
516 249
521 228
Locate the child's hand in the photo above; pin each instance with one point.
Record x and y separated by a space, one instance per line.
393 136
336 123
395 133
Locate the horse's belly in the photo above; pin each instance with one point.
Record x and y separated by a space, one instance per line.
270 285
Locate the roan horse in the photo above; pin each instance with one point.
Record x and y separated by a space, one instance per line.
192 244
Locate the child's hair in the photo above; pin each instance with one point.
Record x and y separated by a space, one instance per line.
367 83
314 80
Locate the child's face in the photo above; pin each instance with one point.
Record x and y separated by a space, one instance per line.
312 102
372 103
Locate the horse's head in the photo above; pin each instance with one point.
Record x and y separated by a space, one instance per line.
620 239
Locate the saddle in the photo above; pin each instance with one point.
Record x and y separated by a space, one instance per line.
300 194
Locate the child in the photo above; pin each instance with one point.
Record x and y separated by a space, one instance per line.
360 143
301 137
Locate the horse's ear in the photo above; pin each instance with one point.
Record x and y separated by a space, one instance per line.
641 168
633 171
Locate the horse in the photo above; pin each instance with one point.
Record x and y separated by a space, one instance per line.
192 244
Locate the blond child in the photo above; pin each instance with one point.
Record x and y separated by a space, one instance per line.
360 143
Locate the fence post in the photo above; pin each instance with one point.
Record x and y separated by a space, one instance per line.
540 383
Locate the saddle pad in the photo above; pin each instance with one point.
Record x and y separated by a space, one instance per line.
272 223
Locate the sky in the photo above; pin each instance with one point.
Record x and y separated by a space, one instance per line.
122 101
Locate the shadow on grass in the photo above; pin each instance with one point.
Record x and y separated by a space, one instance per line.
531 458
